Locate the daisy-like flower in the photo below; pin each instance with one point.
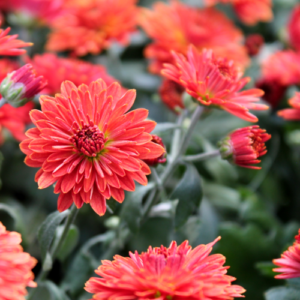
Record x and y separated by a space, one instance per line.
161 159
85 142
244 146
294 28
93 25
16 266
289 263
19 86
177 272
214 82
167 25
282 67
171 94
291 114
9 45
249 11
57 69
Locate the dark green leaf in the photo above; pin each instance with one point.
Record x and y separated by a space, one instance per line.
46 234
11 212
266 268
55 292
69 243
132 208
189 193
283 293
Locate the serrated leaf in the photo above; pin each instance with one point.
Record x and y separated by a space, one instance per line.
161 127
282 293
46 234
132 208
69 243
189 195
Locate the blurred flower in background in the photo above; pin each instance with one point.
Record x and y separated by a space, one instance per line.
294 28
294 112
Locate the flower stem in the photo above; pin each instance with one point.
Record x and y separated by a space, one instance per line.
200 157
159 184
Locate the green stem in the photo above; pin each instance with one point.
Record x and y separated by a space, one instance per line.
200 157
159 184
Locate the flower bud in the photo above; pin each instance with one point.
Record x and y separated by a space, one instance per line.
244 146
159 160
19 86
254 43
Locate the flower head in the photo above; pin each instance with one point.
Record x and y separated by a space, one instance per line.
244 146
215 82
177 272
57 69
291 114
289 263
87 142
167 25
294 28
253 43
16 266
9 45
171 94
19 86
92 25
159 160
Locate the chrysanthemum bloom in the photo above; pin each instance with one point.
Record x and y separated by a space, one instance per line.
244 146
249 11
167 25
9 45
289 263
171 94
294 28
291 114
282 67
92 27
19 86
57 69
273 91
86 143
177 272
161 159
16 266
254 43
214 82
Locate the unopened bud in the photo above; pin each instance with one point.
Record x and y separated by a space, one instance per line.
159 160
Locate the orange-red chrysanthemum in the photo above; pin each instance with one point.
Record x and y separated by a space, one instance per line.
291 114
58 69
92 25
289 263
15 266
167 25
177 272
87 142
249 11
214 81
294 28
9 45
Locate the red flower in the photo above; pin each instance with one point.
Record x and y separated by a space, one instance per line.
9 45
244 146
253 43
289 263
282 67
159 160
171 94
177 272
86 143
16 266
214 82
294 28
21 85
57 69
92 25
167 25
291 114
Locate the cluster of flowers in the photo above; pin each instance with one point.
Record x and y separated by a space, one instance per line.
88 143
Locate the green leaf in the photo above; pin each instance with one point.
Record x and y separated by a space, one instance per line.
11 212
294 283
266 268
161 127
189 193
132 208
46 234
282 293
69 243
55 292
